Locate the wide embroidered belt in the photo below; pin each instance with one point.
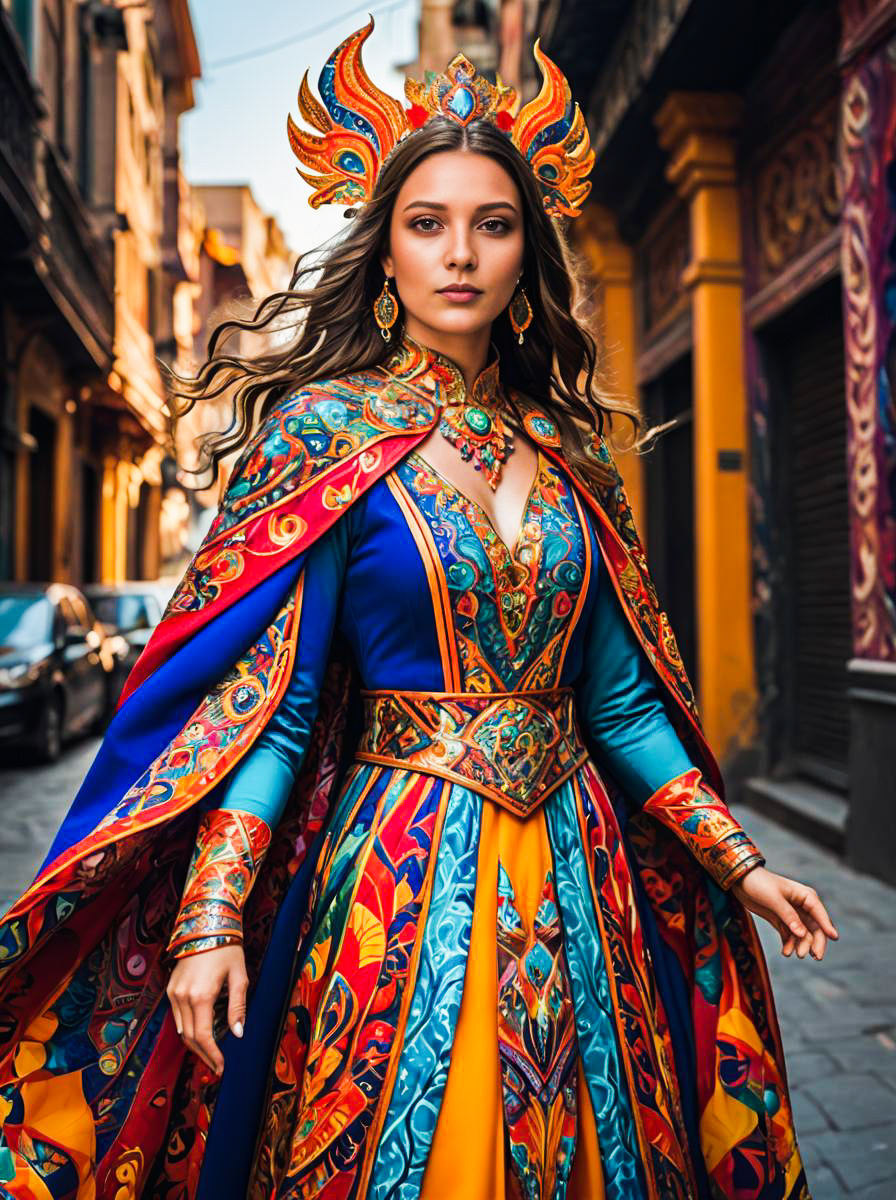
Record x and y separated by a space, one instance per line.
513 747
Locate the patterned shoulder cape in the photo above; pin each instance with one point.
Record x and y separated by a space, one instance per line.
311 459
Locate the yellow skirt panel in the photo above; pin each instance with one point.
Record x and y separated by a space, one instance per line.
466 1161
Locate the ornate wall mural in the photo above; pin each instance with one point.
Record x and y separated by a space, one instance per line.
796 195
868 171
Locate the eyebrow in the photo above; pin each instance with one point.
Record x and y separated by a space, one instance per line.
443 207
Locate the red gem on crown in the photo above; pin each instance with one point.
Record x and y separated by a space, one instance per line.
417 114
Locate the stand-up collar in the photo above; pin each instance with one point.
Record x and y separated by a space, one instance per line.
418 365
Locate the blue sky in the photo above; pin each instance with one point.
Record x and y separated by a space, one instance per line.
237 131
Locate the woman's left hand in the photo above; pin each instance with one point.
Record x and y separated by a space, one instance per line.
794 909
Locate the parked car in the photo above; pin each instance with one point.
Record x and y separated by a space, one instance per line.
56 663
130 610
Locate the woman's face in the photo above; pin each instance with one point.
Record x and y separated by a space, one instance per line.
458 219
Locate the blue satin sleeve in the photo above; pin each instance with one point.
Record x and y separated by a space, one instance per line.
619 702
263 779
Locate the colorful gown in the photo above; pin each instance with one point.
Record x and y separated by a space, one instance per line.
490 940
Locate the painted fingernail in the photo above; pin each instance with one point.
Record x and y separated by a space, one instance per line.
238 1028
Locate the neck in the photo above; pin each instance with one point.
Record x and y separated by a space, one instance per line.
469 351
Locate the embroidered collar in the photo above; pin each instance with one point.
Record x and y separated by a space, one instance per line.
440 377
441 381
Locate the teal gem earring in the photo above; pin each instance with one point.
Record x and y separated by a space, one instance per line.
385 311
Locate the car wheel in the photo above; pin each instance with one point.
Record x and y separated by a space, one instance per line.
48 743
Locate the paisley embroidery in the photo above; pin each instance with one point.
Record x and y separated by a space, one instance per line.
536 1043
512 609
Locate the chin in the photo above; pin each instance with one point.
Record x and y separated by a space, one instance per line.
460 322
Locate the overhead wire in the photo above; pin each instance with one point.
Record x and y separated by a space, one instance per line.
273 47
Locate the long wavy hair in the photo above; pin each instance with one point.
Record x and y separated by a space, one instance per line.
329 309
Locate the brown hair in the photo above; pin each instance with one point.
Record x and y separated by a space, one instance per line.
556 368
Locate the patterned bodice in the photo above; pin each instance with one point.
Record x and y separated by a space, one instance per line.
513 609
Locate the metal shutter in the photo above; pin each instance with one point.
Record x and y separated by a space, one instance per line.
818 570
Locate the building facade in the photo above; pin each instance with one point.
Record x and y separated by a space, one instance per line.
91 98
496 35
741 239
238 255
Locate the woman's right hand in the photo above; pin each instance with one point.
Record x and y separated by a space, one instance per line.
193 988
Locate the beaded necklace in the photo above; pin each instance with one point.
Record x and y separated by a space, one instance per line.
475 427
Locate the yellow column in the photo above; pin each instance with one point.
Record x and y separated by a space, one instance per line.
107 521
697 129
122 504
114 520
611 263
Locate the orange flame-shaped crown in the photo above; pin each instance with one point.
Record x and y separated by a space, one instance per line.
359 125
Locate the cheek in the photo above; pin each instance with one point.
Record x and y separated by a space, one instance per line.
506 262
412 257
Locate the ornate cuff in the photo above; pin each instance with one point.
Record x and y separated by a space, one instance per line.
694 813
230 846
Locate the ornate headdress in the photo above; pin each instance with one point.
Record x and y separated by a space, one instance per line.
359 125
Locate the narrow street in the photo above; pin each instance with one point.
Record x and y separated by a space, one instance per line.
838 1017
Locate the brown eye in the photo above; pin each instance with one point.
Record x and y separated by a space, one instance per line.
498 225
417 224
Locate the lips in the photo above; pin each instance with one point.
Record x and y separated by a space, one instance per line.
460 291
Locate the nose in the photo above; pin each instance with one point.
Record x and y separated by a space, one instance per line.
459 253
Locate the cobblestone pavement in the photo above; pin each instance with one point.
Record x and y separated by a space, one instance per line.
33 801
838 1017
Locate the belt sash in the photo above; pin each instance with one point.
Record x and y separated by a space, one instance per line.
512 747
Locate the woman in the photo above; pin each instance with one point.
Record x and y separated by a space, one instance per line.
409 785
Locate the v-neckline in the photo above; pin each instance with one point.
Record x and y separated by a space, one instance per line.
511 553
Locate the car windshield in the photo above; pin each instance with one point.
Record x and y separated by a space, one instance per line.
24 621
121 612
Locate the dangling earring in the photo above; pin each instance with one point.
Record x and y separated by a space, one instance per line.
520 312
385 311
